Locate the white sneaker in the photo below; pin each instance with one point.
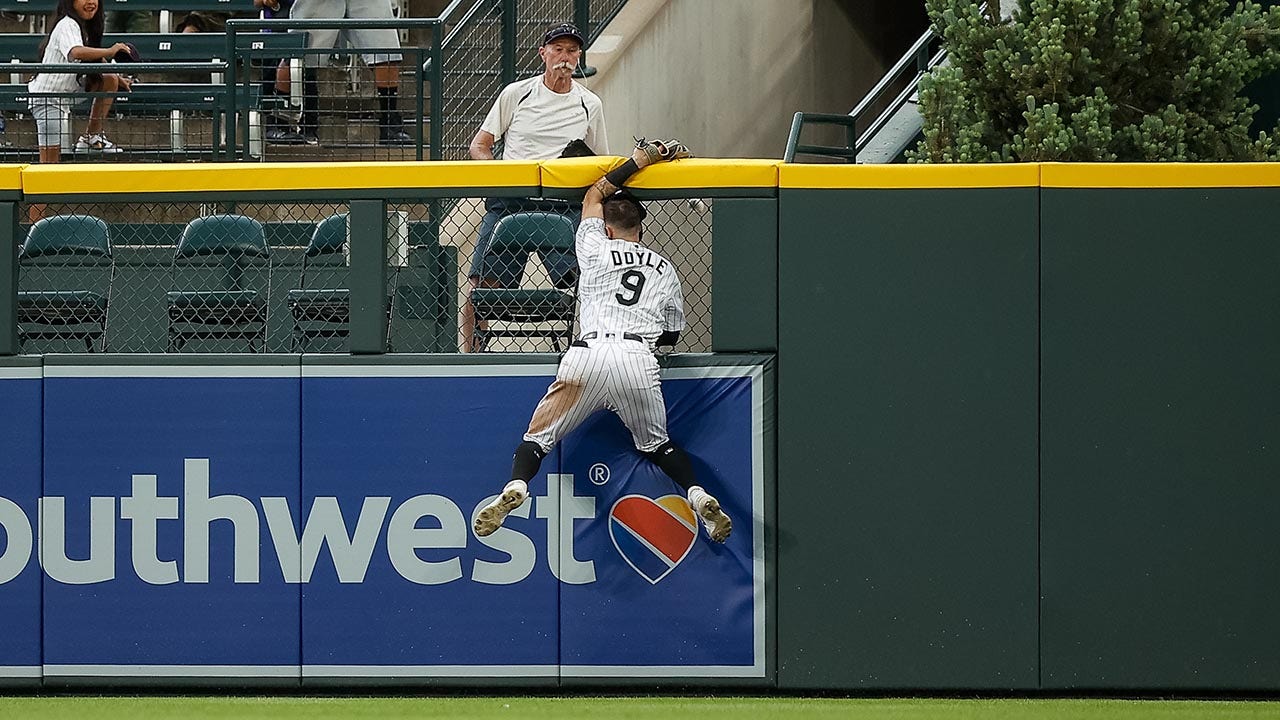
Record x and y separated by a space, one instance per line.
490 517
718 524
96 142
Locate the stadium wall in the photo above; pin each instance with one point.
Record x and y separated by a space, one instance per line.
1028 450
720 73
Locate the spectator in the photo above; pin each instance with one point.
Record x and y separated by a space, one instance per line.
536 118
77 32
195 22
280 128
129 22
378 42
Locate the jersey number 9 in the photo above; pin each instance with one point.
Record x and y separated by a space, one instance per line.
633 282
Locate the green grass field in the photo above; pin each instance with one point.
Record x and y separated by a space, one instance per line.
612 708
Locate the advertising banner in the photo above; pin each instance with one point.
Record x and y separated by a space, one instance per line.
284 524
604 572
167 544
19 491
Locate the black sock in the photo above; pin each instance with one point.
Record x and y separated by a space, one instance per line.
388 116
310 102
527 460
675 463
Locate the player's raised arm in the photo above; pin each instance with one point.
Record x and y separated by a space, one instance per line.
645 154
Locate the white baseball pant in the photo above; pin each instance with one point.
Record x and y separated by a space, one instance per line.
610 372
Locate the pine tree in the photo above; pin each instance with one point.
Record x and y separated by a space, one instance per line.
1098 80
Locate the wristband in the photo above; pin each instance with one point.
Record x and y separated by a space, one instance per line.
619 175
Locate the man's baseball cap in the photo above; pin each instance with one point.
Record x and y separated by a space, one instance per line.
563 30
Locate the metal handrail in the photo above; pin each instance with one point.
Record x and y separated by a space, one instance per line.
908 58
917 56
116 68
898 102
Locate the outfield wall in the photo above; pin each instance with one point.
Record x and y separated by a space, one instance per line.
283 520
1026 423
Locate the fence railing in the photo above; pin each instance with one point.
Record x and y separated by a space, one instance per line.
186 114
286 258
889 95
443 85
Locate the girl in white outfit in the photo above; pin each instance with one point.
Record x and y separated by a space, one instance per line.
77 32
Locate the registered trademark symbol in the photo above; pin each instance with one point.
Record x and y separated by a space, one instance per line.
599 473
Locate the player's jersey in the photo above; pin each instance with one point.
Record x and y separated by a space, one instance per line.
625 287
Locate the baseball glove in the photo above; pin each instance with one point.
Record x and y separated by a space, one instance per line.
663 150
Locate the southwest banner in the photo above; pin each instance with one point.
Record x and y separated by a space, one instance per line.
313 523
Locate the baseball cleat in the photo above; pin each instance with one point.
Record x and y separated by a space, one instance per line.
490 517
718 524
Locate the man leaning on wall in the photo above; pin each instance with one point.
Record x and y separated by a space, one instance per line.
537 119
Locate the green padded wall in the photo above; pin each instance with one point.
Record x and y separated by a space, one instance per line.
1160 438
907 507
744 256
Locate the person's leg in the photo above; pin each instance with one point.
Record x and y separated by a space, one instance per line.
578 390
51 123
390 122
317 39
107 83
637 397
562 265
309 125
495 210
381 46
276 85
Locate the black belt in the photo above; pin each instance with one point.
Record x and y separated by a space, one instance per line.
581 342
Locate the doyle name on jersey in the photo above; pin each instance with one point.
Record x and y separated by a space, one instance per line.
639 258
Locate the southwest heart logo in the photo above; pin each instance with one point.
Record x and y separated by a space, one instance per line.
653 536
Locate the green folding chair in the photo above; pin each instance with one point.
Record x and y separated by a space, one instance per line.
66 250
208 272
319 312
527 312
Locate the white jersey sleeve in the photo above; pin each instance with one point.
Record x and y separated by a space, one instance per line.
673 312
589 242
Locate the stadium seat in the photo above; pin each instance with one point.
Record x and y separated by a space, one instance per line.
525 312
324 313
58 250
208 272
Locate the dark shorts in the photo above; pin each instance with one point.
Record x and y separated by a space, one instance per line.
505 269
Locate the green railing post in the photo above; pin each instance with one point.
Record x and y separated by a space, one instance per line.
508 41
582 18
437 92
229 101
368 220
420 87
9 278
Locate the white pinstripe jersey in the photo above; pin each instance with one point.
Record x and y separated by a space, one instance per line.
625 286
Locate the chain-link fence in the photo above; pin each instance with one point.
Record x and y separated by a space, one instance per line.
275 277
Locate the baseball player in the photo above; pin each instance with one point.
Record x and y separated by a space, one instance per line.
631 304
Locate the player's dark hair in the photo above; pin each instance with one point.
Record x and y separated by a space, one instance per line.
623 211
